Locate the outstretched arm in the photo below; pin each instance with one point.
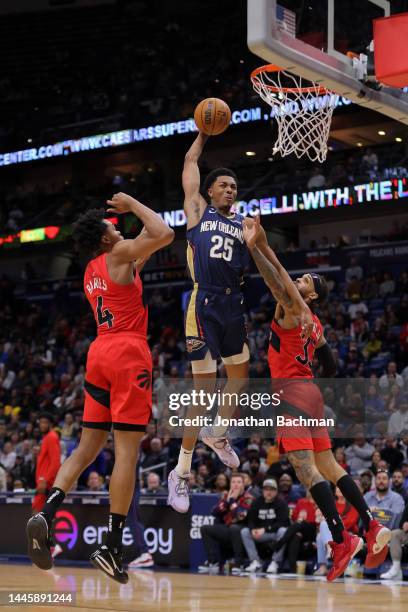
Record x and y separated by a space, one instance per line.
194 203
273 280
155 235
275 276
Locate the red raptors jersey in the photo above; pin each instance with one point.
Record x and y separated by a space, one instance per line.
289 355
117 308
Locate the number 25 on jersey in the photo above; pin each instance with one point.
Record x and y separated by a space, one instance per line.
222 247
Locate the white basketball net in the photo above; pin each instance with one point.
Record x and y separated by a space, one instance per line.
303 115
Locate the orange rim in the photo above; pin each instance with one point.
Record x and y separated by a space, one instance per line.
272 68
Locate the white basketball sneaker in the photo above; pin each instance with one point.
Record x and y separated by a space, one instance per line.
272 568
394 573
179 491
221 447
253 567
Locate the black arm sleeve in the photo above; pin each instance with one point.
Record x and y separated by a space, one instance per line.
326 359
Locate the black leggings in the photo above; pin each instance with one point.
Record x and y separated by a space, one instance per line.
293 538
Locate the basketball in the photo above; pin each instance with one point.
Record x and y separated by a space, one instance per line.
212 116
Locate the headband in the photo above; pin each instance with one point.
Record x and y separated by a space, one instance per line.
318 285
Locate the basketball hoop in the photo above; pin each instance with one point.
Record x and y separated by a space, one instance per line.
303 110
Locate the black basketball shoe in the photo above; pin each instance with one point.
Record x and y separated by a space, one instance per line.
109 560
39 541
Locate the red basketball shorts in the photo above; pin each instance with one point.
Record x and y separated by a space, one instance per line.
301 400
118 383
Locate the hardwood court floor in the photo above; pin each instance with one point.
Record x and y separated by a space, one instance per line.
148 591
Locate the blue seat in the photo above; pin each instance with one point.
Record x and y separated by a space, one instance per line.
376 303
396 330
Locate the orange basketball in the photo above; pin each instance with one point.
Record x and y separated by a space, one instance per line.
212 116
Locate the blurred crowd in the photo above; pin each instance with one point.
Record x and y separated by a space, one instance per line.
80 82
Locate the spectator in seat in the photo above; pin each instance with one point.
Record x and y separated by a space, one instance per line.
384 503
399 538
373 346
354 287
394 397
340 457
350 518
374 405
366 481
153 485
398 484
370 287
317 180
268 519
404 444
352 361
281 467
358 455
391 453
254 490
375 460
8 456
354 271
403 339
402 286
3 478
387 287
95 482
398 421
391 377
359 328
288 491
225 535
18 486
257 471
156 455
193 484
204 477
357 305
302 530
370 164
221 483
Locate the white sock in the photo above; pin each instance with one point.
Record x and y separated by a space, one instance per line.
396 564
184 461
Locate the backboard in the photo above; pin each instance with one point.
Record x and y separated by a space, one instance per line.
312 38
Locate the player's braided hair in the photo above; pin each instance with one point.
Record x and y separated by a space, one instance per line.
89 229
212 177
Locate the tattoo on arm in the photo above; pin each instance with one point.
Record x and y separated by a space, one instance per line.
305 469
272 278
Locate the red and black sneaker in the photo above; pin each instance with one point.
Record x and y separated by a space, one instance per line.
377 538
343 553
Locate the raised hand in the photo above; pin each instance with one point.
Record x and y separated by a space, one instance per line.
251 231
121 203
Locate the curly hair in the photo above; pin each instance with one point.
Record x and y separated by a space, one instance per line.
212 177
89 229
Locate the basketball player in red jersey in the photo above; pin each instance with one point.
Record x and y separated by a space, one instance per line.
118 373
309 449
